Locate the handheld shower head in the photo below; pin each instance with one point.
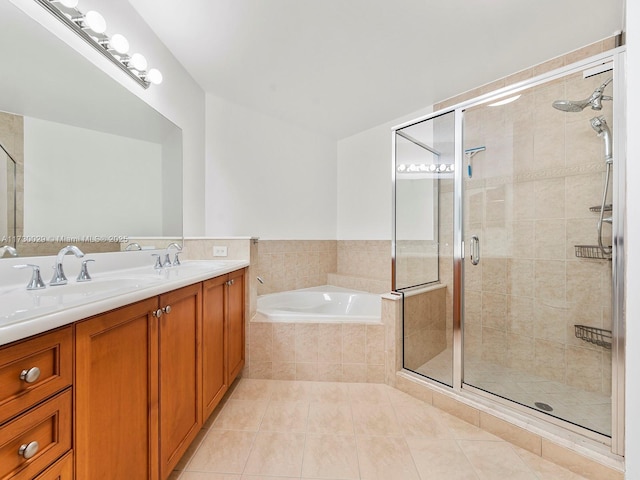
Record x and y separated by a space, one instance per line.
594 101
599 124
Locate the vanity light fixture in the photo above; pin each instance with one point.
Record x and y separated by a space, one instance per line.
424 168
91 27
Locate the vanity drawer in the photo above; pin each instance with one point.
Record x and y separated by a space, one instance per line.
49 425
51 353
61 470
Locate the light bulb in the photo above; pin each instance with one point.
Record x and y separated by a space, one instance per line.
138 62
154 76
95 21
119 43
69 3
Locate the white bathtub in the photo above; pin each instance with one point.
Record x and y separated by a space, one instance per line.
325 304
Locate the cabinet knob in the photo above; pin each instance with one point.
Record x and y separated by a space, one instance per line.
31 375
28 450
167 309
230 282
157 313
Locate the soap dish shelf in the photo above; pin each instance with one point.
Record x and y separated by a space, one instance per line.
597 336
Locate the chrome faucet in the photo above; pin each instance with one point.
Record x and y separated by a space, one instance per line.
59 277
167 259
133 246
8 249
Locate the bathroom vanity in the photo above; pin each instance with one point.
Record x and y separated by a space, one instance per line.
122 393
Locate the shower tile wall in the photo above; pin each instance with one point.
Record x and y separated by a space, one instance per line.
529 202
12 137
529 291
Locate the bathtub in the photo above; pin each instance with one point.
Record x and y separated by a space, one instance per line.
325 304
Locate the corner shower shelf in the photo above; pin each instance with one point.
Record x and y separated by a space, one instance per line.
597 336
591 251
597 208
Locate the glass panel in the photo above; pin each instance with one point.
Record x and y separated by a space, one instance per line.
423 240
537 306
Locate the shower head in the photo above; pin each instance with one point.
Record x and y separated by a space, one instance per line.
594 101
599 124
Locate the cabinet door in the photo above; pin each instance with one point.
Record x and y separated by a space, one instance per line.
235 314
214 372
180 374
116 394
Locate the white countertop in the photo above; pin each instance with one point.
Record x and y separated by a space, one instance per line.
25 313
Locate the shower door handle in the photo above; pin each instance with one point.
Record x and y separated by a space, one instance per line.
475 250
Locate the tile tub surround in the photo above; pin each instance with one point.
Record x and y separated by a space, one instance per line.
309 430
292 264
332 352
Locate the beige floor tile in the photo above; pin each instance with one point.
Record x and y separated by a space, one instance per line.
252 389
186 458
291 391
438 458
495 460
368 393
263 477
241 415
222 451
375 419
330 456
385 458
330 392
206 476
277 454
422 420
332 418
544 469
285 417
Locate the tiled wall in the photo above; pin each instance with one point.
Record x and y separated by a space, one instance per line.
292 264
12 138
424 327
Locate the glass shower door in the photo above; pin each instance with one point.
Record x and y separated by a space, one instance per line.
537 287
423 243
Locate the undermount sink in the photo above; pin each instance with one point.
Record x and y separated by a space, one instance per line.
18 304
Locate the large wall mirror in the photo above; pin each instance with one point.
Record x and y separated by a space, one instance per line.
87 161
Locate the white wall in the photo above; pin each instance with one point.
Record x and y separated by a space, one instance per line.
267 178
62 184
364 183
179 97
632 240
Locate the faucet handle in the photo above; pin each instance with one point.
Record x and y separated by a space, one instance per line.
84 276
176 260
158 264
36 282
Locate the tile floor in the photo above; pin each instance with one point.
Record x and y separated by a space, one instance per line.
285 430
588 409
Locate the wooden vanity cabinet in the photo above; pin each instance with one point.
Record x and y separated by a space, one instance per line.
223 336
235 320
179 373
116 394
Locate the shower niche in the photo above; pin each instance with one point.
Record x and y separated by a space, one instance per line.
509 259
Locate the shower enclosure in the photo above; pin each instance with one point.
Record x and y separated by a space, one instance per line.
508 247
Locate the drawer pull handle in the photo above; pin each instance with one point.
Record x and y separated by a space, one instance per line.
28 450
30 376
167 309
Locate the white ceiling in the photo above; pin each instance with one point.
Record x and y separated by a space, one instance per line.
342 66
